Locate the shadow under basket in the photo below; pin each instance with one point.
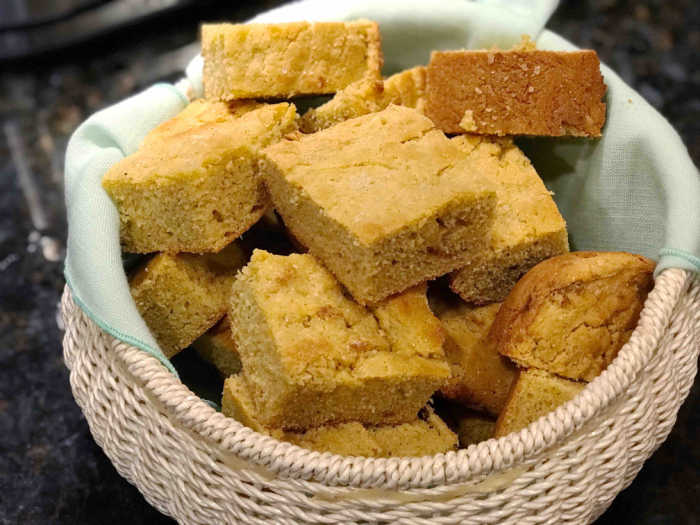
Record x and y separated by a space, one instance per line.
200 467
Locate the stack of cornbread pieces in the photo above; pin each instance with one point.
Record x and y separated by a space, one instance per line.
347 267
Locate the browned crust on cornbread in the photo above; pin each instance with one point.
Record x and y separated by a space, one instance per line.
539 325
288 59
534 394
517 92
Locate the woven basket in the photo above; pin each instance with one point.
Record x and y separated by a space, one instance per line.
198 466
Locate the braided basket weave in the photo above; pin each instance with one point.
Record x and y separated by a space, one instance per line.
200 467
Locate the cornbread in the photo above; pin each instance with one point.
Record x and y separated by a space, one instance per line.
289 59
384 200
527 227
218 348
425 435
193 185
410 325
480 377
406 88
313 356
534 394
516 92
181 296
473 427
571 314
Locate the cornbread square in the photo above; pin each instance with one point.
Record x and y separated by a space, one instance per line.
480 377
571 314
285 60
424 436
527 228
218 348
516 92
534 394
471 426
181 296
313 356
384 200
193 185
406 88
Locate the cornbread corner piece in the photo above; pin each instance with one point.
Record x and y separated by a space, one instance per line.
516 92
313 356
193 185
480 377
406 88
534 394
395 204
288 59
527 228
218 348
181 296
426 435
571 314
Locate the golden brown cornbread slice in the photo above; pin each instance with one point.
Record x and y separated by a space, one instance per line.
193 185
198 113
571 314
181 296
312 356
516 92
288 59
426 435
534 394
218 348
406 88
481 377
527 227
385 200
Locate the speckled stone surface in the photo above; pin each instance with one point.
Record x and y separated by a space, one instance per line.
51 471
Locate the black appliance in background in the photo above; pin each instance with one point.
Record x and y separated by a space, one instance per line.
30 27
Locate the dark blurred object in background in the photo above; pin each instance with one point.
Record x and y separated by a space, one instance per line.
51 471
30 27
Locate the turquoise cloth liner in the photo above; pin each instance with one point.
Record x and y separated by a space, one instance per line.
635 189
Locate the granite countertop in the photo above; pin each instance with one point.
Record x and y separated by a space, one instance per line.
51 471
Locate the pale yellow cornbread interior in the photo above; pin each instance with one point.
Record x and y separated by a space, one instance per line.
527 227
534 394
217 347
480 377
427 435
288 59
312 355
193 186
181 296
336 205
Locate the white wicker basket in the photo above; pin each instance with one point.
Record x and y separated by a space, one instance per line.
198 466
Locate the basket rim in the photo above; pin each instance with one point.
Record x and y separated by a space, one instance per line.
486 457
